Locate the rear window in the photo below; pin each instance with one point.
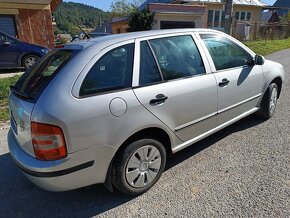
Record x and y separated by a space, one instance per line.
35 80
111 72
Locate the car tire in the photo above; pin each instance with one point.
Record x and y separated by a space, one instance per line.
269 102
29 60
138 166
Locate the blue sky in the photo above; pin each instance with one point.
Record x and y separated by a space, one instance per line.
105 4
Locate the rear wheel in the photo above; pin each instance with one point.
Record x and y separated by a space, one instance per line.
269 102
139 166
29 60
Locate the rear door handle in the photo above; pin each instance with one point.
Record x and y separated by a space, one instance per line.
159 99
224 82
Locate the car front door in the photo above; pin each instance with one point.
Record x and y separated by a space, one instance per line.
176 86
239 80
9 52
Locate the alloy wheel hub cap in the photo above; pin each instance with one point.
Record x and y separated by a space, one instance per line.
143 166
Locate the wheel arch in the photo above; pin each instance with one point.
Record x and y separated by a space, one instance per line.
278 82
152 132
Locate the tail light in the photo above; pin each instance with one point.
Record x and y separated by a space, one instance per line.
48 141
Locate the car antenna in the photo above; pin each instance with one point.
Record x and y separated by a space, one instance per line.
87 35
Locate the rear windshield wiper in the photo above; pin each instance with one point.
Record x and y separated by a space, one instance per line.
17 92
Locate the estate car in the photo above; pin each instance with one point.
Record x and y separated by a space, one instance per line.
112 109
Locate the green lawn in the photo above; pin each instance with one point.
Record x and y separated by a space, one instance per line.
4 92
266 47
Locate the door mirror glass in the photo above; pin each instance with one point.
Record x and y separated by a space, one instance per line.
259 60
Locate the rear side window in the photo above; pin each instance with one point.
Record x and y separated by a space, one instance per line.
178 57
225 53
112 71
36 79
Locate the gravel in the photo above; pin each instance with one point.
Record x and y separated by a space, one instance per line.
241 171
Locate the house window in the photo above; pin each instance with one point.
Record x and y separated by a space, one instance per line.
215 19
243 15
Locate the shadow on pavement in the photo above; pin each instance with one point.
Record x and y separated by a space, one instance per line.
20 198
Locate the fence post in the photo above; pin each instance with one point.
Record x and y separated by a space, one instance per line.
272 31
234 33
255 30
288 30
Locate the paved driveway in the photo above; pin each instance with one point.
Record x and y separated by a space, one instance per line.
241 171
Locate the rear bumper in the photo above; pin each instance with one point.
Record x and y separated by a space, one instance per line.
77 170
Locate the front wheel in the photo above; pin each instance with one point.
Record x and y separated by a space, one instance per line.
269 102
29 60
139 166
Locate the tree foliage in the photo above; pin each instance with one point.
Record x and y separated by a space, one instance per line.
140 20
122 8
69 15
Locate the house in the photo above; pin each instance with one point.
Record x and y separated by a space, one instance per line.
29 20
120 25
285 5
106 27
200 13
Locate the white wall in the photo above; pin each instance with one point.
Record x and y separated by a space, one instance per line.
198 19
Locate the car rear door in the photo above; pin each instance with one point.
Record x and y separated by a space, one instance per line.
239 80
175 84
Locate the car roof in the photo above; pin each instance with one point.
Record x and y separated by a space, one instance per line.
115 38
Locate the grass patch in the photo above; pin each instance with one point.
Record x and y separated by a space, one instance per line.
4 92
266 47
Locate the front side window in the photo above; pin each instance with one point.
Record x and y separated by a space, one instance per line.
178 57
225 53
112 71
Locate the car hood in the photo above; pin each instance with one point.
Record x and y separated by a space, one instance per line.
34 45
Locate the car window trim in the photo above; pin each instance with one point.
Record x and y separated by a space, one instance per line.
100 92
93 59
155 59
105 92
209 57
169 81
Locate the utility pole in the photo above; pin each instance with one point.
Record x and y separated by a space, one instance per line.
228 16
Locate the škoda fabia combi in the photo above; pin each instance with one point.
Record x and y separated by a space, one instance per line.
112 109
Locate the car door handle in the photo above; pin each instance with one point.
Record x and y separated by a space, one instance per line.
224 82
159 99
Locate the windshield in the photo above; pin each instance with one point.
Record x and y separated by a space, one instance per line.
35 80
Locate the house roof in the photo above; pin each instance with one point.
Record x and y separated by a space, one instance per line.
144 5
236 2
53 3
106 27
249 2
283 4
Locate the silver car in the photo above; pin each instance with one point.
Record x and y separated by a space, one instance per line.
112 109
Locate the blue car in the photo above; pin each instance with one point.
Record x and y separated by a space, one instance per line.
17 54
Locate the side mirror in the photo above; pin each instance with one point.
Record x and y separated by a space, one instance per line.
6 44
259 60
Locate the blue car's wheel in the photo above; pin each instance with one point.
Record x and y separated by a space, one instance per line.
29 60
